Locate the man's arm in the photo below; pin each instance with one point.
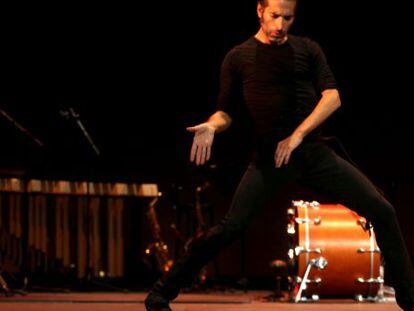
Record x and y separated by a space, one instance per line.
220 120
327 105
204 136
329 102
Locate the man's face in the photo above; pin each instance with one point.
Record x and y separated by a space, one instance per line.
276 18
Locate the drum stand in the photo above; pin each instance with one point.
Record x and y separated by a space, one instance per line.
5 287
319 263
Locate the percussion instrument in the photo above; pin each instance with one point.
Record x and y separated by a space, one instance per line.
332 253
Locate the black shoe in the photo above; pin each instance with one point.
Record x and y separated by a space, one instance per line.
156 302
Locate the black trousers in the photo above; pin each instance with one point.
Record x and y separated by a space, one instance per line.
317 166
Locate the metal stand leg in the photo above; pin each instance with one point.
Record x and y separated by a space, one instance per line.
320 263
5 287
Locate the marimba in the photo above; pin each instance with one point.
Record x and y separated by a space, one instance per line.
66 226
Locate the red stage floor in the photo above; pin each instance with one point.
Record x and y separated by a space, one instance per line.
252 300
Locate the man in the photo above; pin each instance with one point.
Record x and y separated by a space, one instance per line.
289 91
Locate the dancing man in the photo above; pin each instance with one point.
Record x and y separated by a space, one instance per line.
289 91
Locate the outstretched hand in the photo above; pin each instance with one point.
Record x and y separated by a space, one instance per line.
202 142
285 148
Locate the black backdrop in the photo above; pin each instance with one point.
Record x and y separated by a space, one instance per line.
151 71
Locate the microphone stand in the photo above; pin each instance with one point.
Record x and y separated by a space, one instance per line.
5 287
23 130
69 114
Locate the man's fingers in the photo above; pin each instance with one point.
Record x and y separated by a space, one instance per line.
201 148
280 157
276 155
279 161
208 153
283 153
193 152
287 157
203 155
198 155
193 128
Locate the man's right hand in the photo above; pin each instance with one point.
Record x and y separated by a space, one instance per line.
203 140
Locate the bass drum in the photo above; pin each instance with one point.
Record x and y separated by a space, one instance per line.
338 235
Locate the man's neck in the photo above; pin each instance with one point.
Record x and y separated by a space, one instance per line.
261 36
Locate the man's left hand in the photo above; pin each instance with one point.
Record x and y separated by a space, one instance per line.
285 148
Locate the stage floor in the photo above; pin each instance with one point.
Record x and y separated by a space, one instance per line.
236 301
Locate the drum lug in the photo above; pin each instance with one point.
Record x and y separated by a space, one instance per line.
314 204
361 298
301 203
313 298
303 299
301 220
314 281
300 249
361 221
291 229
316 220
378 280
363 250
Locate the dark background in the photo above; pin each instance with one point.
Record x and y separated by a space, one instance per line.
139 75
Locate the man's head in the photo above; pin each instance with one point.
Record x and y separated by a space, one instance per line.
276 18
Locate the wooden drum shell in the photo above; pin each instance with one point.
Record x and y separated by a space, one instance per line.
353 257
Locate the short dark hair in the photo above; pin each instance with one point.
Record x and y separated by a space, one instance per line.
265 3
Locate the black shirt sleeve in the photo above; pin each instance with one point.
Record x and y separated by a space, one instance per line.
323 76
229 85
